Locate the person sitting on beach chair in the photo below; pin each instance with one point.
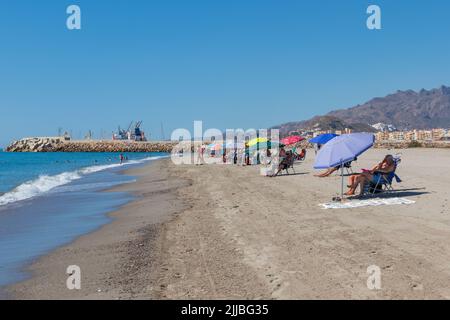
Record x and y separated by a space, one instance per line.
290 161
285 163
300 156
384 182
378 175
353 177
329 171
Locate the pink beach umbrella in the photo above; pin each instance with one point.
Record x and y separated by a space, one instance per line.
291 140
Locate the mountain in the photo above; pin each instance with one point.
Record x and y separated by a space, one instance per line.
323 123
403 110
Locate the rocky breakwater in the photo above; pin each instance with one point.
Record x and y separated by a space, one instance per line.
49 144
37 144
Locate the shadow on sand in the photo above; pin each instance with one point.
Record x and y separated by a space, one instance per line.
292 174
397 193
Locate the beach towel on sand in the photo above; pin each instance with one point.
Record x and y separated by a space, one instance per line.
364 203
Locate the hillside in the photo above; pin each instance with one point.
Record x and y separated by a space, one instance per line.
409 109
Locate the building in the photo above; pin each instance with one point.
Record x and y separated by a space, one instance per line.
437 134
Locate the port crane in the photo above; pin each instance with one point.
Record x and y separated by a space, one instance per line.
133 132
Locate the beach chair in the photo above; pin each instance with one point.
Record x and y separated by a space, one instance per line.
290 162
287 163
301 156
384 181
347 167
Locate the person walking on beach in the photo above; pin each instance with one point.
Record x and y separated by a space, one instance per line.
200 153
121 158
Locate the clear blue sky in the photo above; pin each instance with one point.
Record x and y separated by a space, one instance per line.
234 63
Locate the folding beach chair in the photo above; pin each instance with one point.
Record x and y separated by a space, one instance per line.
348 167
287 163
384 182
301 156
290 159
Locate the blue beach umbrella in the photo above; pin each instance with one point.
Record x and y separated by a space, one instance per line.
323 138
342 149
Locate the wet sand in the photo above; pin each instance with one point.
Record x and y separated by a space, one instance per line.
213 232
121 259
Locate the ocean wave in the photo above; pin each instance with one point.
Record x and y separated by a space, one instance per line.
46 183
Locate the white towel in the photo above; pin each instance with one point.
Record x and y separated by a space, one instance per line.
363 203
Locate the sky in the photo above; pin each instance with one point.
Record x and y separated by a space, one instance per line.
232 64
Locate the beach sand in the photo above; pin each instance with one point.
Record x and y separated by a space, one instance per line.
225 232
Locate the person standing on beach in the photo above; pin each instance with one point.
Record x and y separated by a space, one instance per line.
121 158
200 153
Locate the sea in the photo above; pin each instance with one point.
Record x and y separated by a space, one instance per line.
49 199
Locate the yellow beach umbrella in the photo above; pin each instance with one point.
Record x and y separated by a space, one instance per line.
256 141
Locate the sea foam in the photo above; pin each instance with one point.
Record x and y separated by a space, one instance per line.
45 183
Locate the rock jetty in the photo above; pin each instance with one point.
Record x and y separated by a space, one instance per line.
58 144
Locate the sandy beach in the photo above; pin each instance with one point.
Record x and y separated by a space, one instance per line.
225 232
